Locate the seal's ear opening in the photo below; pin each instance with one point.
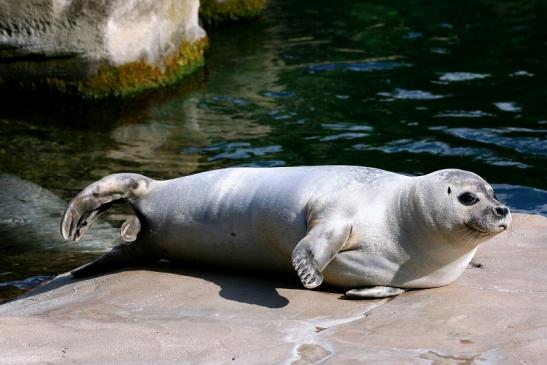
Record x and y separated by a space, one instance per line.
449 190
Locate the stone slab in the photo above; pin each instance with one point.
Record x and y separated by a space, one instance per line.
495 313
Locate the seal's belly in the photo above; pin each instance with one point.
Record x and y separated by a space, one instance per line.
234 242
225 221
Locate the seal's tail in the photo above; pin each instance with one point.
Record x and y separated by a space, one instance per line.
86 207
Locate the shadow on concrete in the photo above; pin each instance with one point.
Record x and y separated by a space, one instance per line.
251 288
255 288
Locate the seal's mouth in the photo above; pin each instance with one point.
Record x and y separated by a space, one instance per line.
484 231
476 229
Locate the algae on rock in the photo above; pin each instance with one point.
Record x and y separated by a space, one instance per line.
135 76
219 11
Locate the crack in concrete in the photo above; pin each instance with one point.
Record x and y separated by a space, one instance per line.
438 358
309 341
502 290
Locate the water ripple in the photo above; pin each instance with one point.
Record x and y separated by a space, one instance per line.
27 283
366 66
235 150
463 114
521 73
403 94
265 163
347 127
439 50
422 146
342 136
278 94
230 100
413 35
530 145
508 107
462 76
439 148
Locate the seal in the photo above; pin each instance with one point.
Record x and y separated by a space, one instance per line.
374 232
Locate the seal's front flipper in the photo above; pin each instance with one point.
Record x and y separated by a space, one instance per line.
375 292
312 254
121 256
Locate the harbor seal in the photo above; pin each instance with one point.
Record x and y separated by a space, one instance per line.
374 232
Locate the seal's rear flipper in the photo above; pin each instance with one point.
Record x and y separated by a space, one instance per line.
121 256
375 292
86 207
130 229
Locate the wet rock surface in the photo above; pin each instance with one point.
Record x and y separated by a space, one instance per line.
495 313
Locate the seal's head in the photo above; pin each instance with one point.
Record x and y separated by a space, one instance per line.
461 204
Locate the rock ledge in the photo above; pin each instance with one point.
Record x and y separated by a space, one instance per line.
495 313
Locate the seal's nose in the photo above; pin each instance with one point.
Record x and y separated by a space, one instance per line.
501 211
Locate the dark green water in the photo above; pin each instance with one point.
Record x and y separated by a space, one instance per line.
412 86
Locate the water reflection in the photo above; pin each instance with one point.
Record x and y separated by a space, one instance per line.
402 94
507 138
462 76
363 66
508 107
463 114
235 151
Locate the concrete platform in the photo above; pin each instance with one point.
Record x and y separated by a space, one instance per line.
495 313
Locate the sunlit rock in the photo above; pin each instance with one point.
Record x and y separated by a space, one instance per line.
97 49
496 313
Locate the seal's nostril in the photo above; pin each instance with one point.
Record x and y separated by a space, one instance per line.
501 211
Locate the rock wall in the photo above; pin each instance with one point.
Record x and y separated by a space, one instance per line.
98 48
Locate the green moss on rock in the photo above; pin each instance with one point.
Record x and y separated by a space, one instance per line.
214 11
133 77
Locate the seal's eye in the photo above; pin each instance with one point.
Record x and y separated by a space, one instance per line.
468 198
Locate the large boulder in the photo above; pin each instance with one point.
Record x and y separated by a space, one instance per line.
98 48
495 313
